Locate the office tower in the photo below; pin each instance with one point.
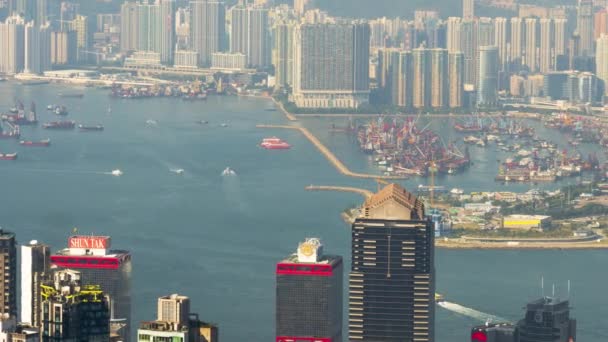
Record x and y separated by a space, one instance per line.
468 9
331 65
35 266
8 259
500 40
167 31
517 42
584 26
392 248
402 81
600 23
12 39
283 54
494 332
175 322
80 26
249 34
439 78
530 59
601 60
469 49
99 265
173 309
421 82
453 34
487 89
309 295
129 26
72 311
63 47
546 50
547 320
456 79
207 29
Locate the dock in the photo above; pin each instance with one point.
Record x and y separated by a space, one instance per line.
329 155
363 192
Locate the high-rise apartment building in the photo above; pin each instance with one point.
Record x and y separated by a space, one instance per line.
35 267
439 78
129 26
560 42
501 35
80 25
8 275
469 49
63 47
402 81
167 31
547 320
517 43
601 60
12 37
249 34
487 89
468 9
37 48
72 311
531 56
309 295
207 29
283 54
547 47
99 265
585 27
392 248
454 34
600 23
331 65
456 79
421 81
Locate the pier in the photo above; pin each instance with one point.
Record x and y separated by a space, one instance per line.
330 156
363 192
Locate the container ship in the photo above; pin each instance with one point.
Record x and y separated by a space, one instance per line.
60 125
274 143
40 143
90 127
8 156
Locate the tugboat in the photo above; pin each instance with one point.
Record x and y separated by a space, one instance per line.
40 143
8 156
60 125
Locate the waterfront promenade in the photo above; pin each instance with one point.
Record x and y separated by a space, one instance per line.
329 155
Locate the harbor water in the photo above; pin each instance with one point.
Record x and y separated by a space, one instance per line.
217 239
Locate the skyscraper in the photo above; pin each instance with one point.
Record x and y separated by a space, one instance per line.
468 9
35 266
167 31
439 78
456 79
99 265
421 81
601 60
547 320
283 54
500 40
249 34
32 49
546 51
12 37
392 248
517 43
331 65
530 59
560 42
402 81
173 309
584 26
469 49
63 47
309 295
453 34
129 26
207 29
81 27
8 260
487 89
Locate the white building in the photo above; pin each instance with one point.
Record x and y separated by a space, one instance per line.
186 59
228 61
35 261
12 45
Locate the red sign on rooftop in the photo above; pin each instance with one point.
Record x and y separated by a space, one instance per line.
89 242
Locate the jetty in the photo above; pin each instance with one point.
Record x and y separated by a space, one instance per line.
363 192
329 155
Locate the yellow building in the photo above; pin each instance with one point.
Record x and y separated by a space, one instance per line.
526 222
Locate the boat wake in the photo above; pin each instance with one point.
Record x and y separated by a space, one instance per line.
463 310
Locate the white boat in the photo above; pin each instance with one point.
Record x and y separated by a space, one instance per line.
177 171
224 125
116 173
228 172
151 122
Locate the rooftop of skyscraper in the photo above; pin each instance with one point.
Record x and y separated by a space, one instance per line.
393 202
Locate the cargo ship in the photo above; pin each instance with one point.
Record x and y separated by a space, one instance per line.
40 143
274 143
60 125
8 156
90 128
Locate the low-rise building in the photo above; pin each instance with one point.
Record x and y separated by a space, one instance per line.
228 61
526 222
143 59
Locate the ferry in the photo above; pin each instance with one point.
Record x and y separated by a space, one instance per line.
40 143
8 156
274 143
60 125
90 128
